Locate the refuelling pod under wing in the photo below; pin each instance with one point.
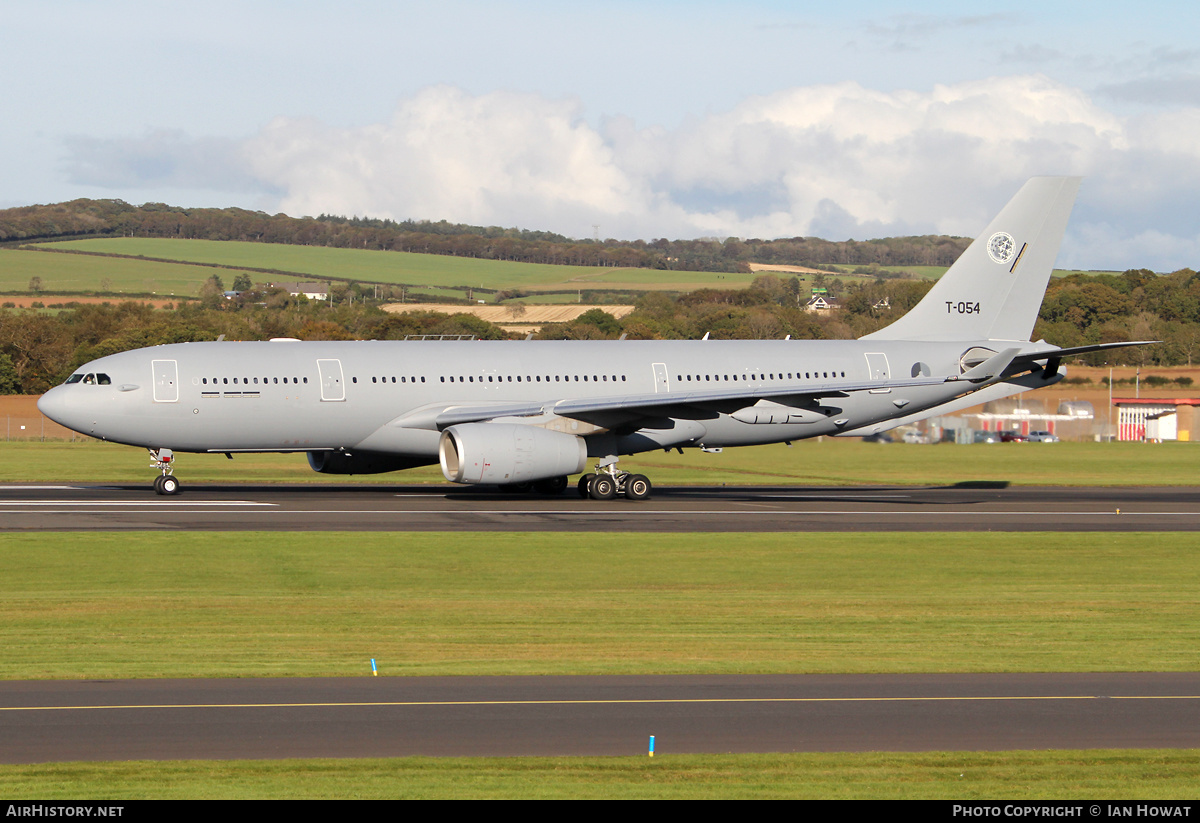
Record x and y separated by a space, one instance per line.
504 454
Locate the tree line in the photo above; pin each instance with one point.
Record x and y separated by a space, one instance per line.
116 218
39 350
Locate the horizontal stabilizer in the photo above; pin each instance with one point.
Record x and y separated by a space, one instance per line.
1028 358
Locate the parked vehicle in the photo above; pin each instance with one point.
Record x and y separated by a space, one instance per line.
1013 437
1043 437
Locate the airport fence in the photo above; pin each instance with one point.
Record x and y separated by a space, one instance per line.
37 428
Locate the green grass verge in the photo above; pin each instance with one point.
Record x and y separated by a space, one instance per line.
987 776
121 605
829 461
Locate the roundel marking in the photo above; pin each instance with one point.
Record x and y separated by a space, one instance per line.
1000 247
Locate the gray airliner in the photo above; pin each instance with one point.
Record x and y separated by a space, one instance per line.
531 413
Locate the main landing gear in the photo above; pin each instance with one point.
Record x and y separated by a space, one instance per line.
609 481
165 483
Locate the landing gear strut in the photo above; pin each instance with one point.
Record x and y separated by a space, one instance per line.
165 483
609 481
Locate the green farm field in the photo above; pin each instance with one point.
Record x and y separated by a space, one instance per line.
935 272
399 268
352 264
831 461
92 273
919 272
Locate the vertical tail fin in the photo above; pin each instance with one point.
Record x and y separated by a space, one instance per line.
994 290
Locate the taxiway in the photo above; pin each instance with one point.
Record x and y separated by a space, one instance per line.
511 716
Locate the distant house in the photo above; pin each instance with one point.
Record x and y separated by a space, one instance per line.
313 291
821 303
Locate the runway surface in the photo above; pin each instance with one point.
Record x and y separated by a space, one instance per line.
510 716
671 509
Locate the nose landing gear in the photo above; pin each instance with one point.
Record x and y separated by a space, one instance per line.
165 483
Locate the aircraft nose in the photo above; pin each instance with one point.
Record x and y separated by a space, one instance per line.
54 404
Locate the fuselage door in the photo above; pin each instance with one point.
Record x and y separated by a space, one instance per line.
332 385
877 365
660 378
166 381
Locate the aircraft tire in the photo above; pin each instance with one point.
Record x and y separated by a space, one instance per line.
584 485
603 487
637 487
168 484
158 484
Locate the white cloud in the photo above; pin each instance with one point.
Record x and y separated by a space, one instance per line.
832 160
501 157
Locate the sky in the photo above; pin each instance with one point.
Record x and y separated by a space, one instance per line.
754 118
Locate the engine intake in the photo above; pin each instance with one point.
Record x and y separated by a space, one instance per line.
505 454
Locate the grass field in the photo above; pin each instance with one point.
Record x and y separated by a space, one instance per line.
1067 272
438 275
830 461
92 273
434 270
1052 775
919 272
121 605
356 264
935 272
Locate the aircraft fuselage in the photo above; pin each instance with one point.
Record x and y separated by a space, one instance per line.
293 396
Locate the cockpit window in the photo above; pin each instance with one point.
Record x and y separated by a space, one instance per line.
90 380
75 378
103 379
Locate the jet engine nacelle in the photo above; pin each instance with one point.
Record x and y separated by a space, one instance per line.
504 454
361 462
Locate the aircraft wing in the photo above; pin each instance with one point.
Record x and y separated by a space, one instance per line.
687 404
701 404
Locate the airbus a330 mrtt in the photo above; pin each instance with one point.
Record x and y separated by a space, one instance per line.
534 412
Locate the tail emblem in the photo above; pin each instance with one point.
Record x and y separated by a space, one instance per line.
1000 247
